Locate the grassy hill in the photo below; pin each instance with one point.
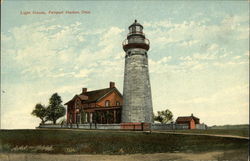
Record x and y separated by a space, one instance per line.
242 126
220 131
111 142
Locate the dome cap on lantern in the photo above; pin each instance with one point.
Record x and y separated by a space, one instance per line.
135 24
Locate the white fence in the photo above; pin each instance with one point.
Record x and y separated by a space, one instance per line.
154 126
81 126
169 126
201 126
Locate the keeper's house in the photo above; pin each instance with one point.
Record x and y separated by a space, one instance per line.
101 106
191 121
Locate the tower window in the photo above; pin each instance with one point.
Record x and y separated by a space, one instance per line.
117 103
107 103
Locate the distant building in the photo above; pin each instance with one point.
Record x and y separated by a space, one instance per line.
191 121
99 106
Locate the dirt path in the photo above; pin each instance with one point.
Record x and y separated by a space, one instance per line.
132 157
216 135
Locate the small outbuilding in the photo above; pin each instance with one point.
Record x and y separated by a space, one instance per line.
190 120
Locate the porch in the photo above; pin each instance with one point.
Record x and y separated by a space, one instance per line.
98 115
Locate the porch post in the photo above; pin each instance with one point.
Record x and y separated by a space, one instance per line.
74 117
91 115
68 116
86 117
114 116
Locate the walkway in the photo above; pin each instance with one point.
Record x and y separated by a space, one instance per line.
215 135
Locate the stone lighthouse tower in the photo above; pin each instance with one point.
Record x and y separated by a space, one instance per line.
137 106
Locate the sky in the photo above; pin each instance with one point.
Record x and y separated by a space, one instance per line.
198 57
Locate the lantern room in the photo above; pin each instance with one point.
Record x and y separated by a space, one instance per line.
135 28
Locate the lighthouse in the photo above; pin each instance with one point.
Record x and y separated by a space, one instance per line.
137 105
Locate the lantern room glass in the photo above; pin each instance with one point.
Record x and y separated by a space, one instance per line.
135 29
138 28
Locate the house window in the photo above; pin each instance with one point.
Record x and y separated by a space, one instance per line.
107 103
117 103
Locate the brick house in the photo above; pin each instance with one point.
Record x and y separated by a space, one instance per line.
190 120
99 106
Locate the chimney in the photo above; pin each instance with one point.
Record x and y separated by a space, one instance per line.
192 115
84 90
111 84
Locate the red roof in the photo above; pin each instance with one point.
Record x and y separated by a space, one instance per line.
188 119
83 97
94 96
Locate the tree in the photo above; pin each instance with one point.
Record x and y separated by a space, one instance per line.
164 116
40 111
55 109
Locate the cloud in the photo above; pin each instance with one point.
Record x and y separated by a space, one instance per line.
247 53
189 43
83 73
16 106
50 58
190 33
19 119
200 56
183 33
234 62
237 57
211 55
162 65
236 93
37 47
229 103
65 89
46 46
109 36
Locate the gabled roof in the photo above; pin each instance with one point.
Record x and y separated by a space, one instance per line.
82 98
187 119
96 95
184 118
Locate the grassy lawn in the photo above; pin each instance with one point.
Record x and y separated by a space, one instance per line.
111 142
237 132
